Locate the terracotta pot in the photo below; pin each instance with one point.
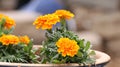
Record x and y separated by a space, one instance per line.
101 60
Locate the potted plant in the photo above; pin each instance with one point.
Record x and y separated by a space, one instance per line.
61 47
14 49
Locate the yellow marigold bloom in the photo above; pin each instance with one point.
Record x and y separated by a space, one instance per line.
9 39
9 22
67 47
46 21
64 14
24 39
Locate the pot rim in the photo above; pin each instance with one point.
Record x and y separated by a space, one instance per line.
101 58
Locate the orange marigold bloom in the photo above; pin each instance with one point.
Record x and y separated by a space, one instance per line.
67 47
64 14
24 39
46 21
9 22
9 39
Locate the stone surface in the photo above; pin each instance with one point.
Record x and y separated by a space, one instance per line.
106 24
113 47
101 4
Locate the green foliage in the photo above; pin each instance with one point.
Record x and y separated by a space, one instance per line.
20 53
49 52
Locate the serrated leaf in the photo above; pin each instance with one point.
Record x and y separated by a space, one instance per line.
90 61
92 53
79 54
87 46
30 45
43 60
2 21
56 61
82 43
56 56
26 49
8 31
11 30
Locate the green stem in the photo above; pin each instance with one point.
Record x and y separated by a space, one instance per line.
63 24
2 22
0 29
48 32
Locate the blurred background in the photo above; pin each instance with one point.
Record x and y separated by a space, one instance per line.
95 20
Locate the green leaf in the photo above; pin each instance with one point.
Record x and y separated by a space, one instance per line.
30 45
56 56
8 31
92 53
43 60
2 21
90 61
79 54
1 25
82 43
56 61
87 46
26 49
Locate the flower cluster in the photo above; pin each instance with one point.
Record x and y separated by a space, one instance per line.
63 14
67 47
13 40
61 45
9 39
47 21
24 39
9 22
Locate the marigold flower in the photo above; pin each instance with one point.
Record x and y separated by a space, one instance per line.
67 47
64 14
24 39
9 22
46 21
9 39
